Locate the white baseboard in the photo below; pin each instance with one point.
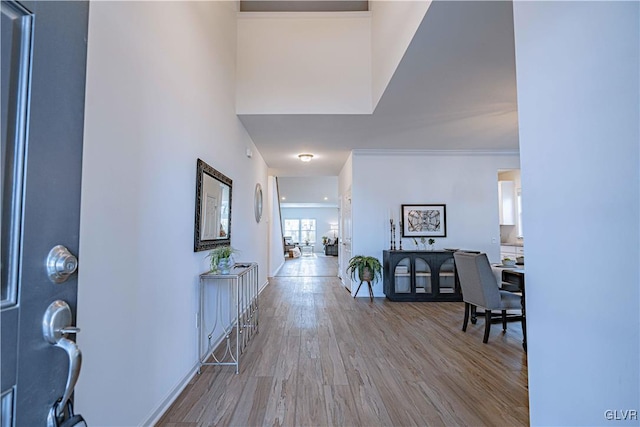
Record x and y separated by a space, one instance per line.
275 273
171 397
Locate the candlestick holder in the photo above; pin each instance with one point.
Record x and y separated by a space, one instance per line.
391 234
400 236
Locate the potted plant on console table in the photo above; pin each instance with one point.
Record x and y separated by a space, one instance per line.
368 268
221 260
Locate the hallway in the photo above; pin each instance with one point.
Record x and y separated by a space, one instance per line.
324 358
318 265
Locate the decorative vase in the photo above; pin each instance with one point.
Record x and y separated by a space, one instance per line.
224 265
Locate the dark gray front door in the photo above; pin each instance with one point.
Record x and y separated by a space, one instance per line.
43 79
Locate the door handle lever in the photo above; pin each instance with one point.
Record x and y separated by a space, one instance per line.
55 327
75 361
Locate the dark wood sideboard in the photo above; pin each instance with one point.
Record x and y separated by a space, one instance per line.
420 276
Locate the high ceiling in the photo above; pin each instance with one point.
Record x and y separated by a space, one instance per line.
454 89
303 6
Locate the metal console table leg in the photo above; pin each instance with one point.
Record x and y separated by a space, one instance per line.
242 284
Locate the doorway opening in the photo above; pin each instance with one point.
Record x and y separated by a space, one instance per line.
510 206
309 217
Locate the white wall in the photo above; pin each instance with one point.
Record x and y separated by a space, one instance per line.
304 63
322 63
345 179
160 94
309 189
324 216
466 183
578 104
393 25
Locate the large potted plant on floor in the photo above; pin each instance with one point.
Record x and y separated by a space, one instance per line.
367 268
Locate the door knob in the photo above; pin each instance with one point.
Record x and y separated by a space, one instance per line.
61 264
56 324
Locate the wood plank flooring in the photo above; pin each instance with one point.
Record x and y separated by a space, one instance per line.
318 265
323 358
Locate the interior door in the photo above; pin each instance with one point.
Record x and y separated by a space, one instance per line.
345 238
43 80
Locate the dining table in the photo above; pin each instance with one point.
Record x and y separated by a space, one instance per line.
511 278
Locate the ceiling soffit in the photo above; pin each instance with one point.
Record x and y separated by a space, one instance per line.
454 89
304 6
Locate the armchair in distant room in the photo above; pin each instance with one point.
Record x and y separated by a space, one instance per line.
289 244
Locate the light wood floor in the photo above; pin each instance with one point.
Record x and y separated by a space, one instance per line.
323 358
319 265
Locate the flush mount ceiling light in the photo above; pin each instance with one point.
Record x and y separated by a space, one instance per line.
305 157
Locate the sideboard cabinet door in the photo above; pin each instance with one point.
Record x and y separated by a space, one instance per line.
420 276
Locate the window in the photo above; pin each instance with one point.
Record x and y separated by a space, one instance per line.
292 228
308 227
300 230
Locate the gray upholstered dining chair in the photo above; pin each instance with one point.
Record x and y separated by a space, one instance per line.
480 289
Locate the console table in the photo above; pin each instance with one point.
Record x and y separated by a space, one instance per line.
307 250
420 276
241 286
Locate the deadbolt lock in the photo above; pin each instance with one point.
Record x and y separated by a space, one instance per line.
61 264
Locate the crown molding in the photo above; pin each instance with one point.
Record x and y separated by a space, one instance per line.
308 205
408 152
302 15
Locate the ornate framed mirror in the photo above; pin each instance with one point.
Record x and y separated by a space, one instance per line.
257 202
213 208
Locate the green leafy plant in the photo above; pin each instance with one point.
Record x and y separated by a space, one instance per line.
220 253
432 241
359 263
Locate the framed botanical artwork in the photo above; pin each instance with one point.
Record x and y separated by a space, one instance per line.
424 221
